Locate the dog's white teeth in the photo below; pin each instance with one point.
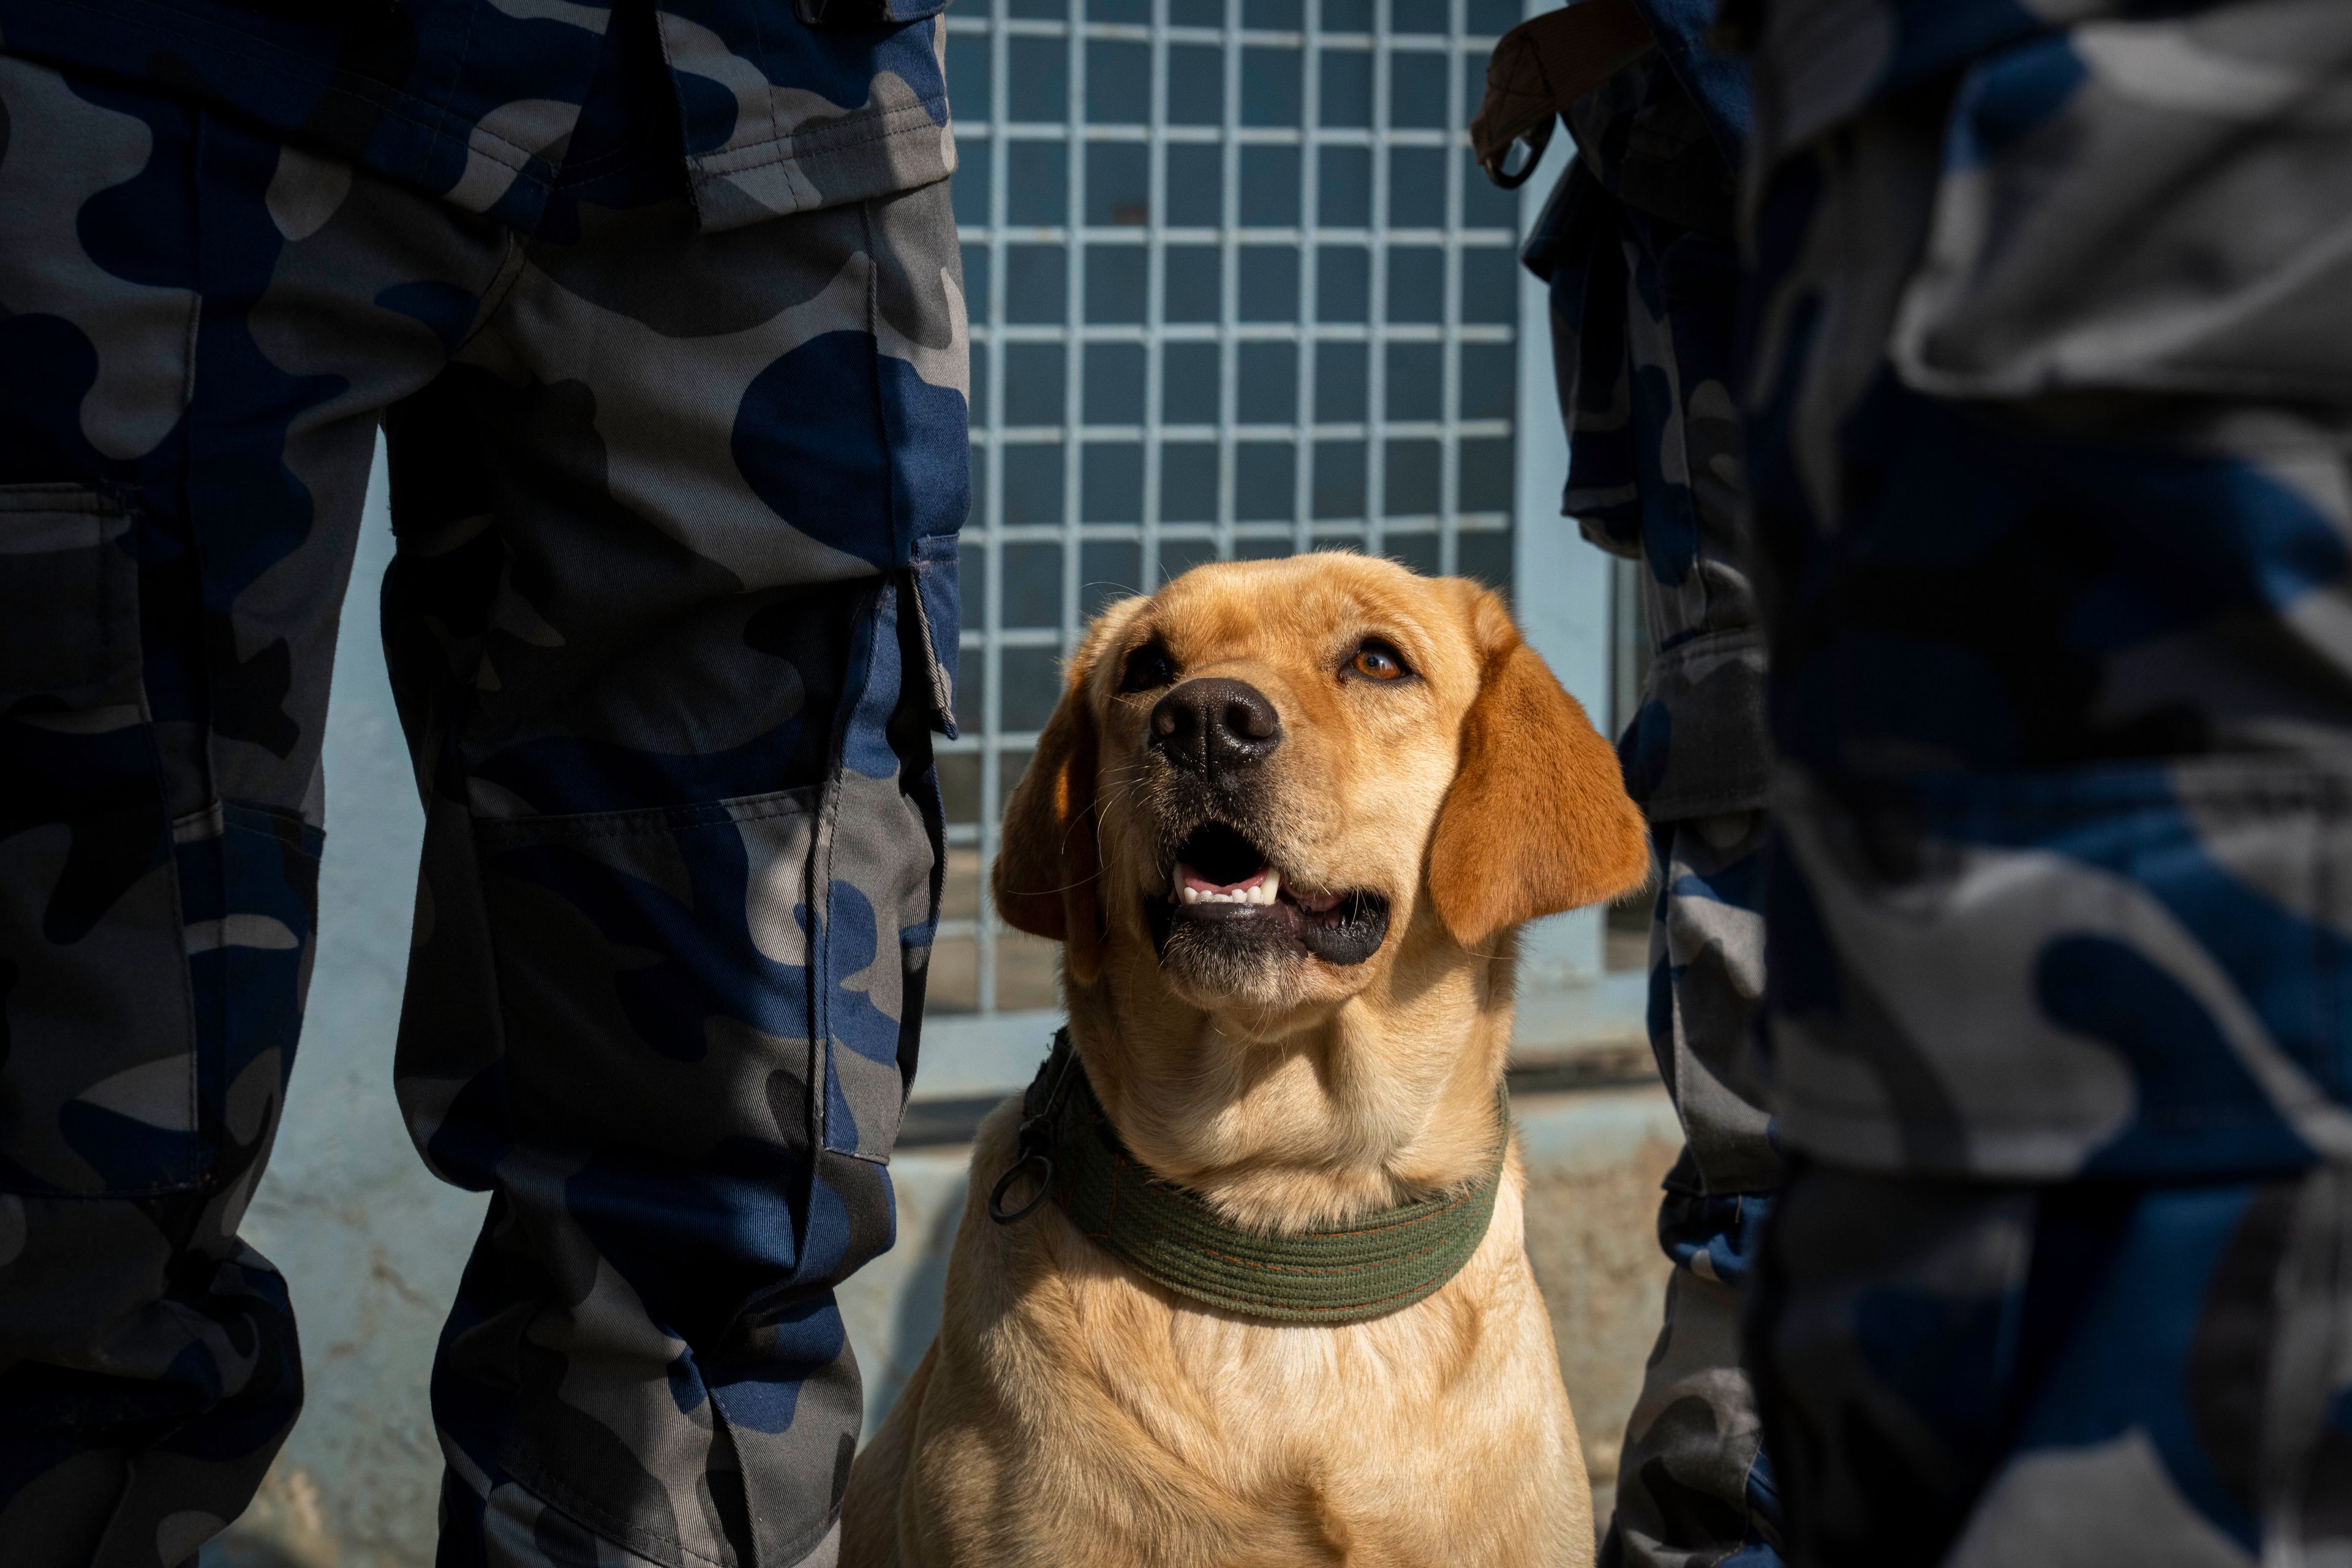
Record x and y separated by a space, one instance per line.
1261 891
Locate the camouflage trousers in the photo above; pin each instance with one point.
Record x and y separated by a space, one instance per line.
1642 311
669 628
1695 1487
2050 446
2068 1375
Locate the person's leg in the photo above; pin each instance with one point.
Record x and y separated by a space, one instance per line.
2050 444
668 628
193 330
1642 313
1693 1484
1976 1375
2197 1406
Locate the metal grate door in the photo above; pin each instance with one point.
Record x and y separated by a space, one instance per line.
1237 290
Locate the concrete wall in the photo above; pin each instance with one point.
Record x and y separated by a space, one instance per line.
373 1244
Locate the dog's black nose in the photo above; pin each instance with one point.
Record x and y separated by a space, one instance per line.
1210 726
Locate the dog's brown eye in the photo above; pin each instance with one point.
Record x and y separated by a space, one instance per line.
1147 668
1376 660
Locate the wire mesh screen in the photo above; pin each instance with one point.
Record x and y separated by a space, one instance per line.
1237 290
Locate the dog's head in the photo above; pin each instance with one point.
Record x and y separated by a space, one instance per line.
1270 777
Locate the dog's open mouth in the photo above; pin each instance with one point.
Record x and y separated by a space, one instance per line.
1224 883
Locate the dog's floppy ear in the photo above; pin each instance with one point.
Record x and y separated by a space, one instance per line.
1047 861
1537 819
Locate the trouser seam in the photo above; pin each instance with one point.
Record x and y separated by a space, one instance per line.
820 895
501 287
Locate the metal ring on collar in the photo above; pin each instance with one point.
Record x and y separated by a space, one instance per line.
996 1209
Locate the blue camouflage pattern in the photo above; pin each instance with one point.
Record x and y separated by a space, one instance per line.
524 110
1982 1373
1697 1486
1694 1486
1636 246
2046 384
670 625
2047 407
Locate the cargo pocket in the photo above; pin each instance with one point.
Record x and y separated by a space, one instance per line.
99 1082
759 149
653 975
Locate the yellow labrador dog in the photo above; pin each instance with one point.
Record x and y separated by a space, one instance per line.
1278 1310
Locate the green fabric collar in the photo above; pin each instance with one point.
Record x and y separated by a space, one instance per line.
1375 1265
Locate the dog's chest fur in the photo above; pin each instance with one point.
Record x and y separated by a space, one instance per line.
1070 1413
